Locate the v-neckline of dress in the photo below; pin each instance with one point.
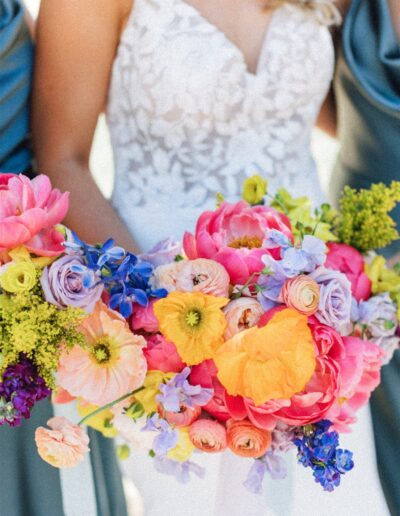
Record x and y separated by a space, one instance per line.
266 38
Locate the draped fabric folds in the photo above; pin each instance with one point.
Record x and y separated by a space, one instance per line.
367 88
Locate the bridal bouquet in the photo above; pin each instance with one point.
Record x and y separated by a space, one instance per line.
262 333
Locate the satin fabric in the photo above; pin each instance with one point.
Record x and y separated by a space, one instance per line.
367 88
16 64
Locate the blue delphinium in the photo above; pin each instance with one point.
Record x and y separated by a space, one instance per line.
124 275
318 449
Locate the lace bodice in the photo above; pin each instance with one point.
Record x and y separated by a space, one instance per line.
188 120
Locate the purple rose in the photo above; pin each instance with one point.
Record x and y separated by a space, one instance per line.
68 282
335 297
163 253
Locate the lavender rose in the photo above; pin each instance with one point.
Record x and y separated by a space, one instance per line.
68 282
335 297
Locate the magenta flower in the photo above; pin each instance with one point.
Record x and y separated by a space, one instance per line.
29 210
233 235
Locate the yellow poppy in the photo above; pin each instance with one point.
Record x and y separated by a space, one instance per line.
194 322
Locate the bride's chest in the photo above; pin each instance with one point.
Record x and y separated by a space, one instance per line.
173 62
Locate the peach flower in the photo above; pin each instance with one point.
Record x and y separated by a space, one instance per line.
246 440
185 417
112 364
205 276
241 314
64 446
208 436
166 276
302 294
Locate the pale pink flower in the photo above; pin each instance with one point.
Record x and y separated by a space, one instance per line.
241 314
208 436
166 276
64 446
29 211
205 276
302 294
110 366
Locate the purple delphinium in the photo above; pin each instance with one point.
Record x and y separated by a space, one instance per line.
178 393
318 449
20 389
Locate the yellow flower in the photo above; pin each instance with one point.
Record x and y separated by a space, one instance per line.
254 189
273 362
100 421
18 277
147 397
383 278
21 254
194 322
184 449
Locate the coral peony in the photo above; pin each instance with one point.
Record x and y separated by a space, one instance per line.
194 322
162 355
241 314
64 446
233 235
347 259
143 318
302 294
205 276
110 366
246 440
29 211
268 363
208 436
360 370
205 374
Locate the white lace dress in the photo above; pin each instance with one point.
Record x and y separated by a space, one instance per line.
188 120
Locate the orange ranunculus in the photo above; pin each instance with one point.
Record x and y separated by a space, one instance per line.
273 362
246 440
194 322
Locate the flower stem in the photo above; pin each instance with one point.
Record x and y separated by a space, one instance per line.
109 405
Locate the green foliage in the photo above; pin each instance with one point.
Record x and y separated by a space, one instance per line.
364 221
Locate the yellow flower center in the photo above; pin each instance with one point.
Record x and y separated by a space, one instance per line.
250 242
193 318
103 352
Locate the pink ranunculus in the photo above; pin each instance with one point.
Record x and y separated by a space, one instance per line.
64 445
166 276
208 436
348 260
162 355
29 212
360 370
185 417
241 314
205 374
143 318
233 235
202 275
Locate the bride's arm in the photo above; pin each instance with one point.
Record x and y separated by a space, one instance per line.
76 45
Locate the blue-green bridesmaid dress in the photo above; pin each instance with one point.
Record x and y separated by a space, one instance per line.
367 88
28 486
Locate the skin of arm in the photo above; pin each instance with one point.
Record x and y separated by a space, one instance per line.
76 46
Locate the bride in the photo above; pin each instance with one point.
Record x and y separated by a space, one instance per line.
199 94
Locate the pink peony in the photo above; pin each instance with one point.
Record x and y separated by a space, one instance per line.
360 369
143 318
64 446
29 210
162 355
348 260
205 374
241 314
205 276
208 436
233 236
